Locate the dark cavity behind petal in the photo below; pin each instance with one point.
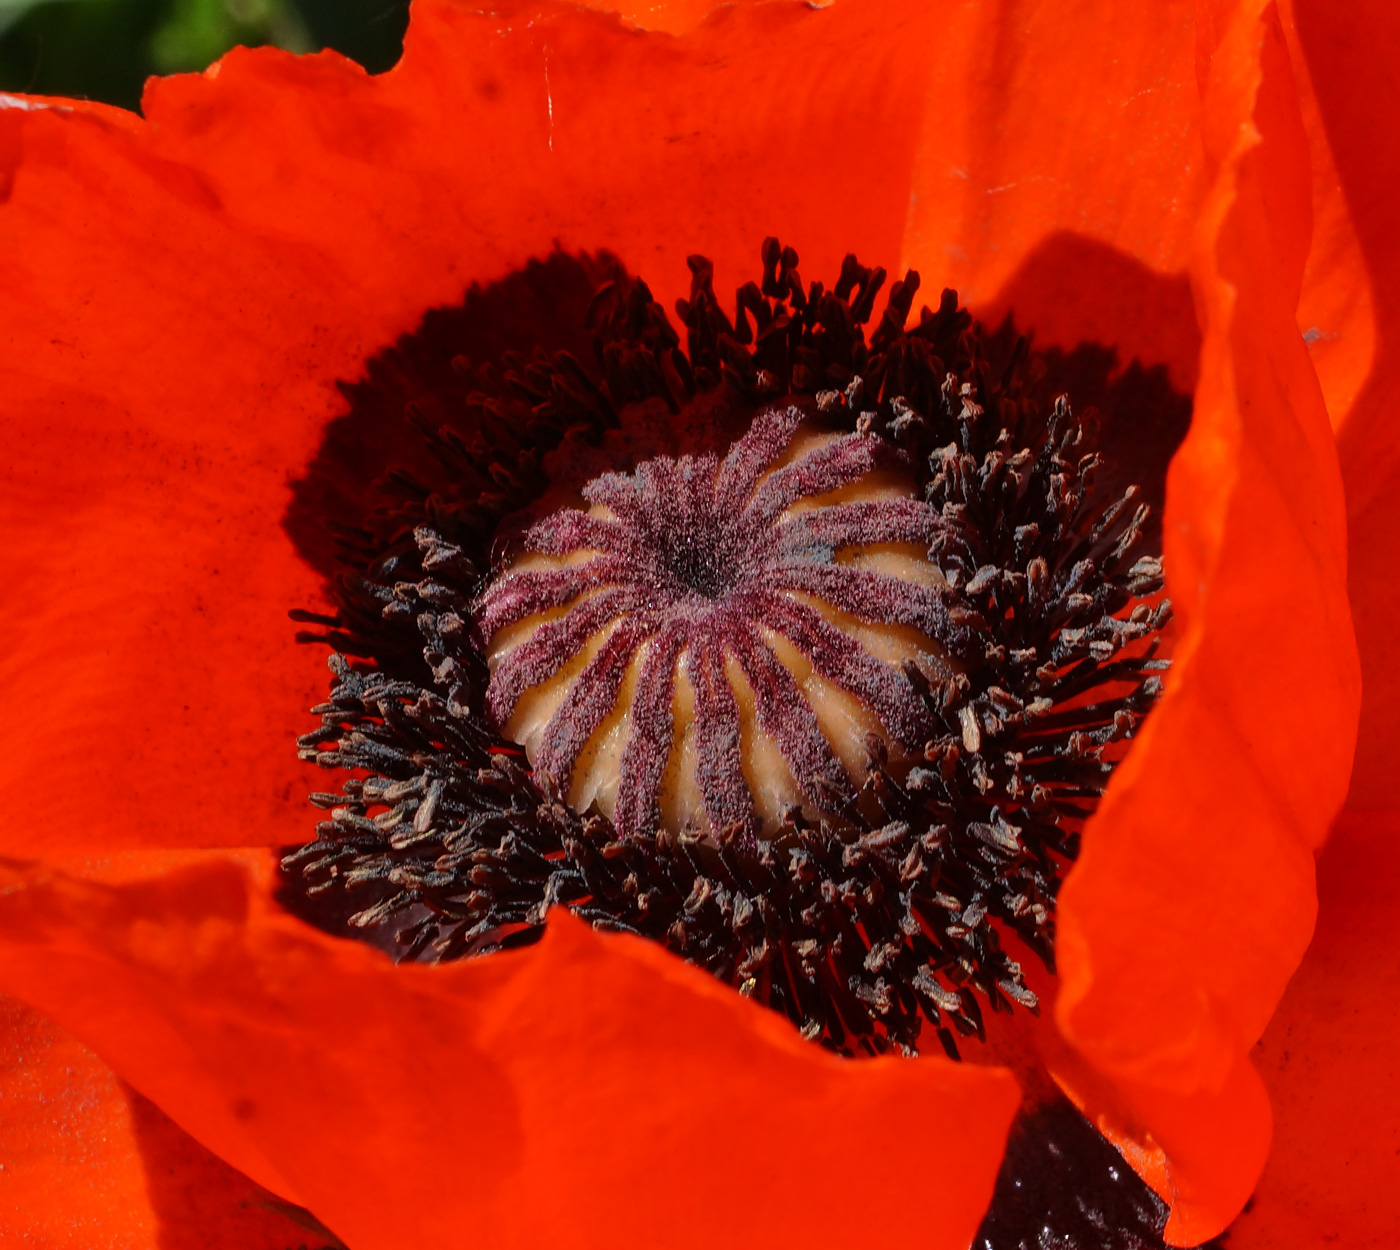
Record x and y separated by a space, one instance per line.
1063 1187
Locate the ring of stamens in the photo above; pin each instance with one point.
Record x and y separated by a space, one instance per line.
861 930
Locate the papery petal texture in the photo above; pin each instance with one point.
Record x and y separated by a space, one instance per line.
89 1164
1193 898
171 359
591 1089
184 292
1331 1054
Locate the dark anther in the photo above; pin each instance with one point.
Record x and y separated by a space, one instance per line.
873 910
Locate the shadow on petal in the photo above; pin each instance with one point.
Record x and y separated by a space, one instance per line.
89 1162
1329 1060
1119 337
592 1084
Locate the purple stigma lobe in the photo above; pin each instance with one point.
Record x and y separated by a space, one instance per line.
703 564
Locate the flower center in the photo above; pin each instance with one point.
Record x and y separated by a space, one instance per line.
714 641
822 709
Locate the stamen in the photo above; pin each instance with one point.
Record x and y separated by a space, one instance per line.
891 532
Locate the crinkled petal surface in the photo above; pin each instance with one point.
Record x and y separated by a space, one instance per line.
1205 844
1331 1056
1331 1060
1193 899
591 1090
182 294
88 1164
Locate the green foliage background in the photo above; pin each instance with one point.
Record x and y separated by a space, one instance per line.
105 49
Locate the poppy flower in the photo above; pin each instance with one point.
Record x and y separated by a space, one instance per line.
184 291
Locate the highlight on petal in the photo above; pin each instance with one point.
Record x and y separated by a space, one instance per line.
88 1162
590 1088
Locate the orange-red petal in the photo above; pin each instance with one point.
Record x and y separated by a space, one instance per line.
1329 1057
182 293
1337 305
1193 899
1356 101
1062 160
1331 1060
164 416
592 1089
86 1162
